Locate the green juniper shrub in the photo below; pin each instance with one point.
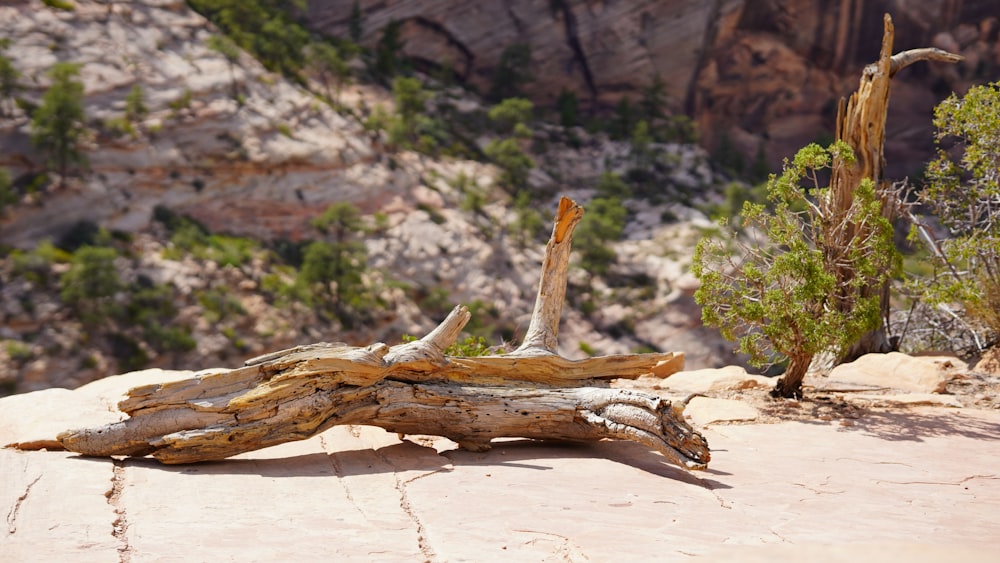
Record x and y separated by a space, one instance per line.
602 224
388 62
60 5
515 164
510 113
333 270
962 190
611 185
624 120
569 108
9 81
8 196
91 283
355 25
231 52
58 125
265 28
36 265
330 66
780 292
529 225
135 104
512 72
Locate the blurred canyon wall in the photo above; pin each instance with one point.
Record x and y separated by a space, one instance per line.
757 71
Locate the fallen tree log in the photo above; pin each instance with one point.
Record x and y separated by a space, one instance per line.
412 388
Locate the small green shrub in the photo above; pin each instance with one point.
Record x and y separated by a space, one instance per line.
18 351
183 102
266 28
569 108
510 113
91 283
220 304
135 104
963 190
90 361
529 226
58 125
433 213
128 352
602 224
799 288
7 194
515 164
36 265
512 72
60 5
170 338
470 347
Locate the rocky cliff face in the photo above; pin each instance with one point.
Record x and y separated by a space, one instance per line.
246 167
762 72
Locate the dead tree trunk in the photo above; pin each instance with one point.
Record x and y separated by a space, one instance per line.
861 124
411 388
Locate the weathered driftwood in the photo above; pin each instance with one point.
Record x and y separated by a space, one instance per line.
411 388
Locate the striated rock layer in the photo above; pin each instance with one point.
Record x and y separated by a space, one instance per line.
264 165
762 72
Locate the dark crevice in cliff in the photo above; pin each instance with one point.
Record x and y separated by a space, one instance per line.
439 29
573 42
518 24
704 54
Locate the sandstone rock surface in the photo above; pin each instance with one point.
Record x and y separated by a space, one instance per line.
919 482
917 374
707 410
709 380
989 363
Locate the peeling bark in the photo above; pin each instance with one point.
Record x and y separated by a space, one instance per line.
861 124
411 388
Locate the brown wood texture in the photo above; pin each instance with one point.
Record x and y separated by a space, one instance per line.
411 388
861 124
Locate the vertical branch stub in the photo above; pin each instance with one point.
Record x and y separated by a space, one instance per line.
446 333
543 332
432 346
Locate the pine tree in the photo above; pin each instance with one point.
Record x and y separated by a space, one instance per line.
135 104
58 125
387 63
8 79
326 62
355 25
231 52
338 263
513 72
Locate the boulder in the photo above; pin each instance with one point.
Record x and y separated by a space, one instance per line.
989 362
729 378
923 374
